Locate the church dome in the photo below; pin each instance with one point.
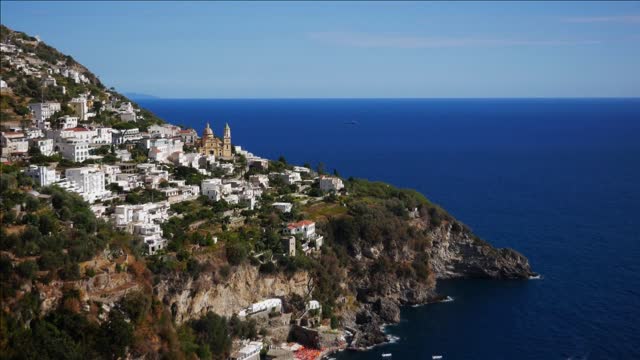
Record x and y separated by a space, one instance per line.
207 131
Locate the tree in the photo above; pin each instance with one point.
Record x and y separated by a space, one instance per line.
212 330
236 252
117 335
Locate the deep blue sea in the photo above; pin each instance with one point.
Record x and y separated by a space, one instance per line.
558 180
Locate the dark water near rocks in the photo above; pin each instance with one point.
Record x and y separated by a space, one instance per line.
559 180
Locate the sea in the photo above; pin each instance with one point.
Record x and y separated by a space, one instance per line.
556 179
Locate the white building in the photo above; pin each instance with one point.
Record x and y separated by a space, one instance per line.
49 81
14 143
128 135
180 192
128 116
306 229
250 351
123 155
75 133
193 160
43 111
104 135
164 130
128 181
126 216
290 177
44 145
90 182
43 175
110 172
74 150
213 189
268 305
143 221
33 133
284 207
68 122
160 148
261 180
330 183
313 305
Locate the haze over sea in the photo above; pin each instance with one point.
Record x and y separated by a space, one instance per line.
556 179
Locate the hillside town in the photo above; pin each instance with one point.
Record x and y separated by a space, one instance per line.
139 175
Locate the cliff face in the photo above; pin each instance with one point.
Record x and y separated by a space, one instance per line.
451 255
461 255
192 298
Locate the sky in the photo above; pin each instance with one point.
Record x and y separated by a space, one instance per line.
346 49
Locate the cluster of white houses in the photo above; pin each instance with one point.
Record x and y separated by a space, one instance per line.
69 130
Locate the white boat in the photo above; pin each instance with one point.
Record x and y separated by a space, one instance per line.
436 357
386 355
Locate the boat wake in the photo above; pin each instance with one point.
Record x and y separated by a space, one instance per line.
392 339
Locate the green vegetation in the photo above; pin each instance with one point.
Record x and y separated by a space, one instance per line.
210 336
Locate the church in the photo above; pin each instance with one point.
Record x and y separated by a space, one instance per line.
211 145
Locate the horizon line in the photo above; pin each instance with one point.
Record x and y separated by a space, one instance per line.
153 97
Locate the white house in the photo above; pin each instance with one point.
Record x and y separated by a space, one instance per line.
123 155
290 177
77 133
213 189
193 160
160 148
42 175
68 122
268 305
143 221
74 150
313 305
250 351
14 143
128 135
306 229
49 81
164 130
261 180
284 207
90 182
43 111
104 135
110 172
128 116
44 145
330 183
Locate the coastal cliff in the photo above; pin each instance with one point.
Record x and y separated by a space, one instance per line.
190 298
454 252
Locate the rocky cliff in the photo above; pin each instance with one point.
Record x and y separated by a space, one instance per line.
452 254
190 298
463 255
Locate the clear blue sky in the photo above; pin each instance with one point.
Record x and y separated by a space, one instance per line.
333 49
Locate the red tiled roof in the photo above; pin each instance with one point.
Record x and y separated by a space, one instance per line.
299 224
13 133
